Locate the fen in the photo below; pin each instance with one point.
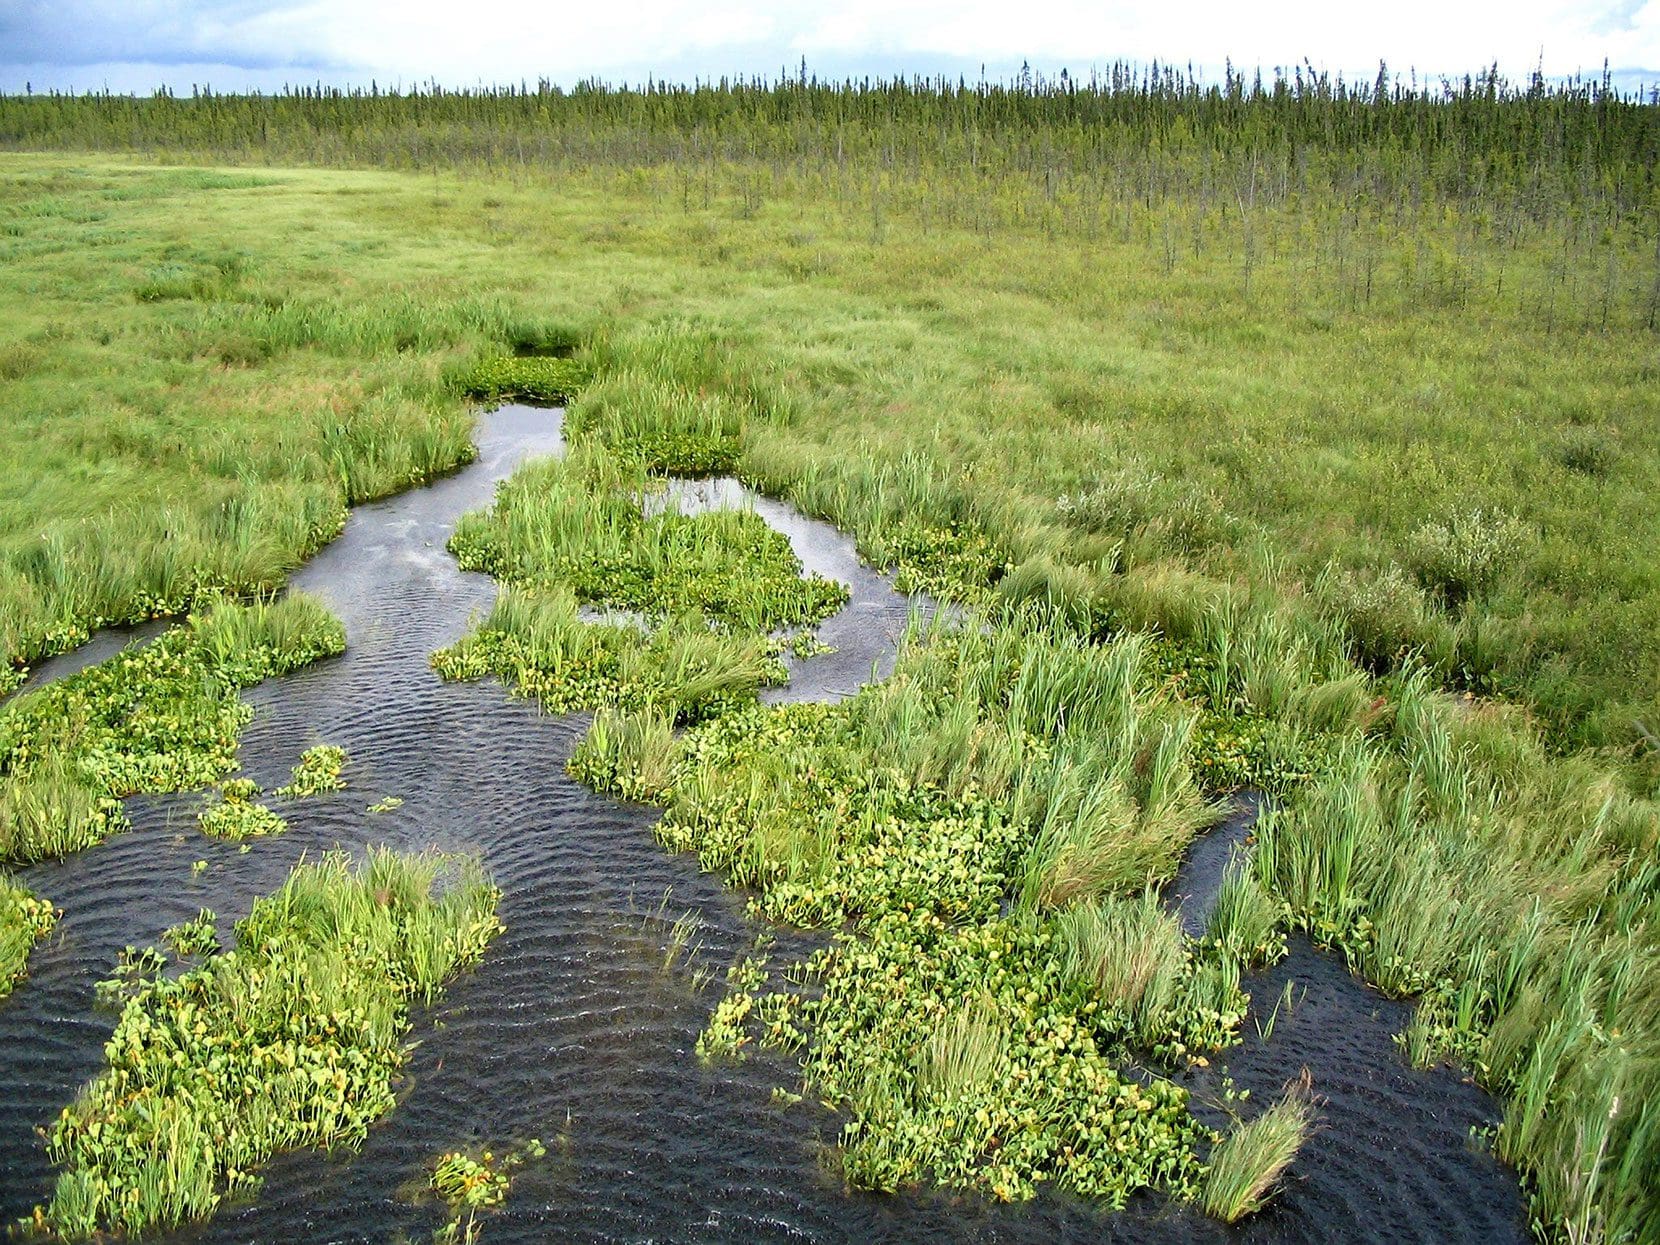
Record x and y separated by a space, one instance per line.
1347 401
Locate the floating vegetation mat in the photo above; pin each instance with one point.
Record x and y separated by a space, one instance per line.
161 717
979 838
236 815
24 920
289 1038
317 772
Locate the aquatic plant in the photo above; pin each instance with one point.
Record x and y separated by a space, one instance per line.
25 919
901 818
1246 1164
197 936
532 378
470 1185
317 772
537 641
1244 921
289 1039
236 815
159 717
579 522
1152 992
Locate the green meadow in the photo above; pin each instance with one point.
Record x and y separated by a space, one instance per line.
1301 438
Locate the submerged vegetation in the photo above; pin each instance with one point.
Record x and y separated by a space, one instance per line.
162 716
289 1039
24 920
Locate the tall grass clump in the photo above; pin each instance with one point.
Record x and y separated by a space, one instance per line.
1243 925
1247 1163
1154 994
655 420
290 1039
1451 857
163 716
25 919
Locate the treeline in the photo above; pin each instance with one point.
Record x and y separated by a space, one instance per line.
1578 139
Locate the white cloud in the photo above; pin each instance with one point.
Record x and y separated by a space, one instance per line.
503 40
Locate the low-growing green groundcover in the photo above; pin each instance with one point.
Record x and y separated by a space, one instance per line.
163 716
537 642
533 377
290 1038
25 919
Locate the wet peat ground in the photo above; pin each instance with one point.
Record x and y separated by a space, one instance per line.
571 1030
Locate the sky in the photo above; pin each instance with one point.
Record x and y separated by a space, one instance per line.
137 45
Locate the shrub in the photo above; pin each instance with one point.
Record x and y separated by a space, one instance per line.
1589 451
1466 553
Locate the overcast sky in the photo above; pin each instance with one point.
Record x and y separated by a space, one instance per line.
135 45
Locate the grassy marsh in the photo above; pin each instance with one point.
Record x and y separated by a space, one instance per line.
905 818
163 716
704 599
291 1038
1350 426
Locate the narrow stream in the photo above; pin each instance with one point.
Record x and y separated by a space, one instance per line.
571 1030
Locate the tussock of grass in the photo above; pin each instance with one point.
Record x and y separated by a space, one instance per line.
24 920
1132 956
1245 918
631 754
652 419
290 1039
1248 1162
161 717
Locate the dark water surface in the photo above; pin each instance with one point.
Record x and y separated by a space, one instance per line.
571 1030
